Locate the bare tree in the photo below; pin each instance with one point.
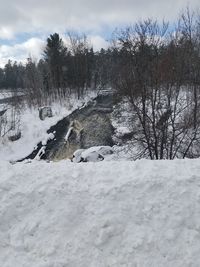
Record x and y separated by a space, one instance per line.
151 74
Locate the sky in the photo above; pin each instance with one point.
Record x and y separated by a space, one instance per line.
26 24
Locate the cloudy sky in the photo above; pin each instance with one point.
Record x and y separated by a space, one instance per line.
25 24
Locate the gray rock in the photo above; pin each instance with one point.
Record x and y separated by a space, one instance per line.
2 112
45 112
15 137
84 128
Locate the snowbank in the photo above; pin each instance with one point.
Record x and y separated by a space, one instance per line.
143 213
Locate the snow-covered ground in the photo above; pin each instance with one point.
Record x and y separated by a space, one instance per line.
124 122
5 94
143 213
8 93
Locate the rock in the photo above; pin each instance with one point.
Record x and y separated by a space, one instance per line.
77 155
103 109
92 154
2 112
84 128
104 150
45 112
106 92
74 132
98 131
92 157
15 136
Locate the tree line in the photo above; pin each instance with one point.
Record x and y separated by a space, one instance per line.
63 69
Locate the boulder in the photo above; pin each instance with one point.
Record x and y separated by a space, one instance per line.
92 157
45 112
92 154
14 136
77 156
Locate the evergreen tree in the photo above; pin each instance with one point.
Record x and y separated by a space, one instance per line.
54 55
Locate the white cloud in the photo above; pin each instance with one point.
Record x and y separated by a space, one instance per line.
18 16
34 47
98 42
20 52
94 17
6 33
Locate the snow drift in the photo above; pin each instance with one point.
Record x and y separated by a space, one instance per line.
143 213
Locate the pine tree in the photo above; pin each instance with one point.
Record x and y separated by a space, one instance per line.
54 55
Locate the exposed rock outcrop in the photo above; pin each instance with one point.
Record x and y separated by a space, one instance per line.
84 128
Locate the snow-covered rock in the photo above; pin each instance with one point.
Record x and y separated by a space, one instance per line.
77 155
45 112
92 157
93 154
14 135
49 136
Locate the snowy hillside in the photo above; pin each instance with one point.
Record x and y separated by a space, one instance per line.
34 130
143 213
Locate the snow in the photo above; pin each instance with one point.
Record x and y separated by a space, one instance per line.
129 135
103 214
124 122
120 131
40 153
95 153
50 136
103 150
92 157
100 150
34 130
142 213
77 155
68 134
4 94
7 93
